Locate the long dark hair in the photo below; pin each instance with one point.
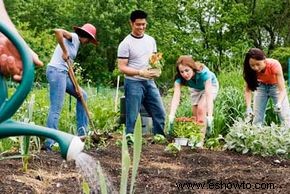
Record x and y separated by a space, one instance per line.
250 76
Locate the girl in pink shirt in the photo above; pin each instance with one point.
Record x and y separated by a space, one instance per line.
264 77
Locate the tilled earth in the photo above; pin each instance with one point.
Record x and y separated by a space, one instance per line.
190 171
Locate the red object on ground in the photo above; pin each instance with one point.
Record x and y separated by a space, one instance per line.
188 119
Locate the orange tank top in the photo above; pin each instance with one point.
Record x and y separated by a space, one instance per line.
269 75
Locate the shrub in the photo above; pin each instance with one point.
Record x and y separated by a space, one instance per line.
265 141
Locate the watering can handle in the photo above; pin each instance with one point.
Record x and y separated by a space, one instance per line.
9 106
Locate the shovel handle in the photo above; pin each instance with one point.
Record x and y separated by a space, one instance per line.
78 90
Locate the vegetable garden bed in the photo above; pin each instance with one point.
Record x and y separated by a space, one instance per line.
159 172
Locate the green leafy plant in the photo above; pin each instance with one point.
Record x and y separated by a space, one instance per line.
215 142
186 129
265 141
25 140
126 161
102 178
173 148
26 143
159 139
229 105
195 141
136 152
86 187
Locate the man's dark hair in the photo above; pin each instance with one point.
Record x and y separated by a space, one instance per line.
138 14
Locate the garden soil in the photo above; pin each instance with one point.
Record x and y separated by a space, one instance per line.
190 171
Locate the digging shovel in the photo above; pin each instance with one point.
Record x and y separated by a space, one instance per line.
78 90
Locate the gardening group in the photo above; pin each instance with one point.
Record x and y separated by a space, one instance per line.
263 79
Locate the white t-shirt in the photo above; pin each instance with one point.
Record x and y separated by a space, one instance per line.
138 51
72 47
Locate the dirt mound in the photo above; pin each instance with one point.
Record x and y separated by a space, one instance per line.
190 171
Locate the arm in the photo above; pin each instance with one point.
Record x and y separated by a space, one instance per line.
60 34
248 97
122 65
175 100
209 98
5 18
281 87
11 63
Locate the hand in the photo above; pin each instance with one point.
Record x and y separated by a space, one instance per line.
171 118
155 71
277 108
65 56
10 63
249 116
147 73
79 92
10 60
249 112
209 120
170 126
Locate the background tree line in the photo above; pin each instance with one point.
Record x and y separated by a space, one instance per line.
216 32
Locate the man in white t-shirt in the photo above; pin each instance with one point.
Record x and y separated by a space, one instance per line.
133 60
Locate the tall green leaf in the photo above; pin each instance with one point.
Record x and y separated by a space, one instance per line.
102 179
136 152
125 165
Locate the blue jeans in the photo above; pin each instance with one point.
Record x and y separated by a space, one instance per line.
144 92
261 96
59 84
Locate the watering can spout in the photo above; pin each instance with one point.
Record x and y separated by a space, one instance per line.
70 145
76 146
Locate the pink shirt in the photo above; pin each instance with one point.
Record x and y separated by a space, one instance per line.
269 75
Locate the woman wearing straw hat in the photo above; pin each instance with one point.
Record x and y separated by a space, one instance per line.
59 80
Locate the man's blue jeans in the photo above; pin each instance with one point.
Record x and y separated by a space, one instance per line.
261 96
144 92
59 84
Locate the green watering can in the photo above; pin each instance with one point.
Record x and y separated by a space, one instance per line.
70 145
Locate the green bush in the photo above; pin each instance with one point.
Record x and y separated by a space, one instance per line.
282 54
266 141
229 106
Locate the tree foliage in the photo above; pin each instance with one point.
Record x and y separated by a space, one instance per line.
216 32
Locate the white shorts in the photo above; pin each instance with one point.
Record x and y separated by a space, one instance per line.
196 94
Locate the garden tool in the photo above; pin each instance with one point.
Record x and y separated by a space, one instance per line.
70 145
78 90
